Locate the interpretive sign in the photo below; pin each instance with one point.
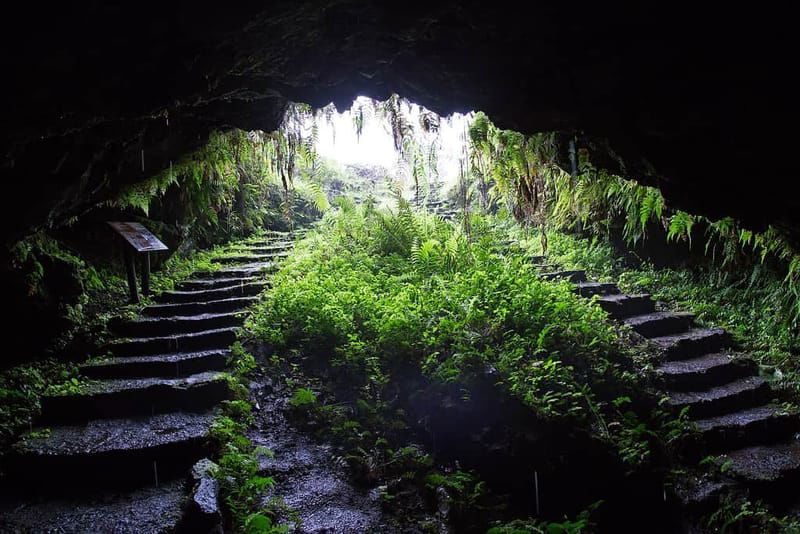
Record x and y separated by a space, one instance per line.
139 237
140 240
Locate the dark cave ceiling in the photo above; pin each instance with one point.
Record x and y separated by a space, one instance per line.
689 99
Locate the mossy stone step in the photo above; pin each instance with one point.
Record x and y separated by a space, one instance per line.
118 451
218 338
200 284
239 271
195 308
165 326
657 324
621 306
249 258
767 423
694 343
768 472
590 289
572 276
150 508
136 396
736 395
205 295
264 247
158 365
704 371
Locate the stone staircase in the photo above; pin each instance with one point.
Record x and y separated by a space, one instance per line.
108 457
734 410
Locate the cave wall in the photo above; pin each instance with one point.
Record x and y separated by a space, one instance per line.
688 98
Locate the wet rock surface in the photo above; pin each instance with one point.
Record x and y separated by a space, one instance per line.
310 478
146 510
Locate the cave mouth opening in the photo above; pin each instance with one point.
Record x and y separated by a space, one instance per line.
406 149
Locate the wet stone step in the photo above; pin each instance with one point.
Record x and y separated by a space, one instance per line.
151 508
196 308
250 258
704 371
622 306
136 396
158 365
240 271
659 324
264 246
754 426
537 259
572 276
771 468
739 394
237 290
219 338
118 451
590 289
694 343
215 283
164 326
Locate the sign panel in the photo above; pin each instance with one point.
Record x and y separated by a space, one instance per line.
138 236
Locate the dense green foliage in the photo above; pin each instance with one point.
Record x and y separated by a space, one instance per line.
236 183
377 291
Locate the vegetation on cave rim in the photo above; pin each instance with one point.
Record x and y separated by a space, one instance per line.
520 172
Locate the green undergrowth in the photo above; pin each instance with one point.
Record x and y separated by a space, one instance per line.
21 388
375 292
242 487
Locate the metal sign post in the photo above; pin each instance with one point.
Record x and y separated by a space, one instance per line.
139 240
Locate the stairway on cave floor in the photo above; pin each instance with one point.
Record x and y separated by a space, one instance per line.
734 409
116 456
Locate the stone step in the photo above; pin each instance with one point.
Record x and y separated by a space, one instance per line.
621 306
772 470
118 452
572 276
219 338
150 508
197 308
249 258
239 271
165 326
263 247
136 396
547 267
704 371
215 283
158 365
736 395
590 289
205 295
657 324
537 259
767 423
694 343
